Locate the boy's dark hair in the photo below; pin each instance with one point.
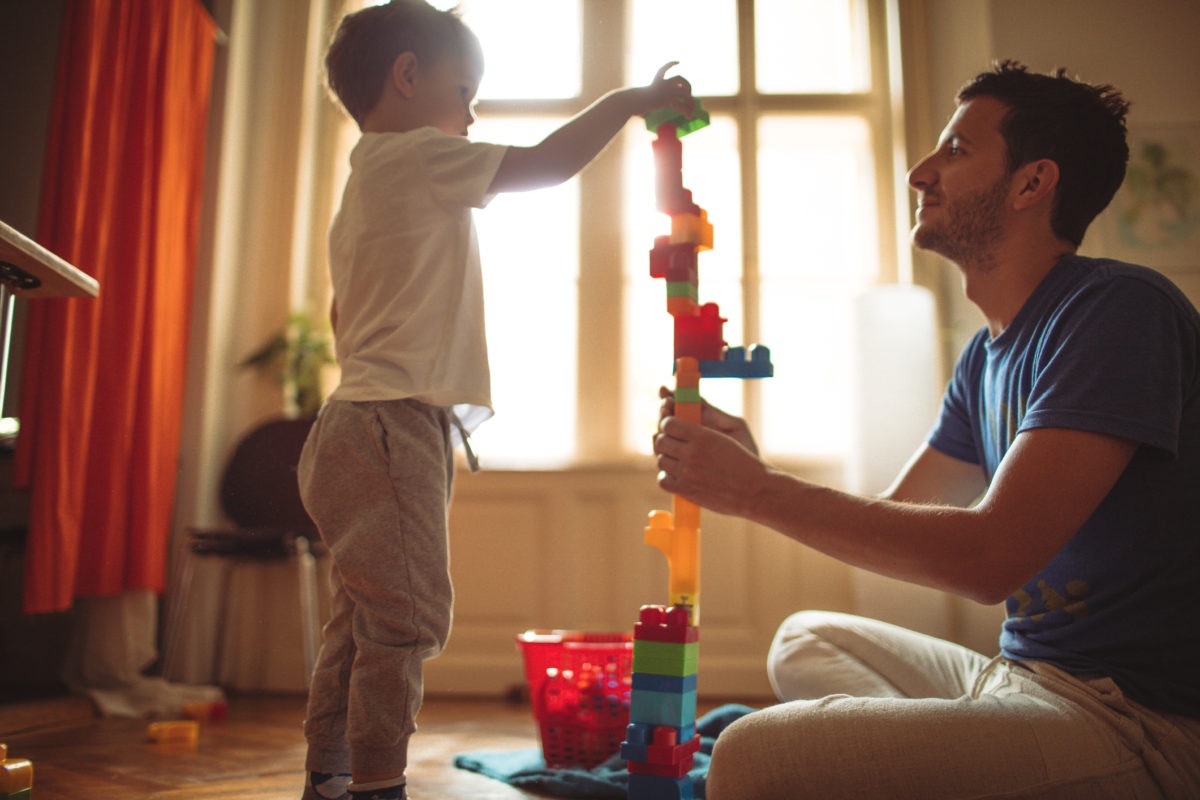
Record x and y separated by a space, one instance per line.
1078 126
367 42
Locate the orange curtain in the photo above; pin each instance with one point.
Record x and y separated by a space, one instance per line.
102 390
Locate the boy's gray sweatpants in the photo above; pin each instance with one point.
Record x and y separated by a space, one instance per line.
376 478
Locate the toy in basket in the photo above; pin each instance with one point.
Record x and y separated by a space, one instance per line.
579 684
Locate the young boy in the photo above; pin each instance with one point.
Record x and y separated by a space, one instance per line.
377 468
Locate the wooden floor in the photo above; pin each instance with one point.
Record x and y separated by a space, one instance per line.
256 754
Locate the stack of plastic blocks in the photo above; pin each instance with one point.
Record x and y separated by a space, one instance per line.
661 741
16 777
699 328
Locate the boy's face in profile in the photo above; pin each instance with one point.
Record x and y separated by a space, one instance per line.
444 93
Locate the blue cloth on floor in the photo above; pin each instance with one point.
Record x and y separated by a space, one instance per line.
526 769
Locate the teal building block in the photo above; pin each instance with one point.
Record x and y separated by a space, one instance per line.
676 709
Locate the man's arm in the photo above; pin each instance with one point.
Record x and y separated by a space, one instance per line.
1049 483
931 476
569 149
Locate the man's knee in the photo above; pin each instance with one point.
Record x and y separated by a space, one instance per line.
733 768
768 754
795 643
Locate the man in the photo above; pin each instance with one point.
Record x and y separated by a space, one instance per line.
1062 477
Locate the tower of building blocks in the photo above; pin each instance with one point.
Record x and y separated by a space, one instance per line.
661 741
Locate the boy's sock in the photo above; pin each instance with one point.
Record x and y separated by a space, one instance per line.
381 790
326 786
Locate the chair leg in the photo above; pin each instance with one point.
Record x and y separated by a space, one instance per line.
175 619
308 604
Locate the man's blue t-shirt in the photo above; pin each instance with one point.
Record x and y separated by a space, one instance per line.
1110 348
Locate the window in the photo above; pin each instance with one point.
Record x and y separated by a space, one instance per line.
796 174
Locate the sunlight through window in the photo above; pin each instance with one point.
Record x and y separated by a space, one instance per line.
529 243
531 48
818 245
811 46
700 34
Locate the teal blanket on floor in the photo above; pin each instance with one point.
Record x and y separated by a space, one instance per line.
527 770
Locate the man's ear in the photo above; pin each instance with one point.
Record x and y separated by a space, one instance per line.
403 74
1036 182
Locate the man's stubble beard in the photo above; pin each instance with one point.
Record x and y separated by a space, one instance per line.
971 229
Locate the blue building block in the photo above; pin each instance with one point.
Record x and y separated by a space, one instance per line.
648 681
656 787
735 364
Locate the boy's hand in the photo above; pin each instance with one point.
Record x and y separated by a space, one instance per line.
566 151
674 92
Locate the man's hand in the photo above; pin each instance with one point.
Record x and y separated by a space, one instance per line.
711 417
714 464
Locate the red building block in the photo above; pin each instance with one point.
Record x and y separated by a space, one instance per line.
674 262
665 624
670 196
700 336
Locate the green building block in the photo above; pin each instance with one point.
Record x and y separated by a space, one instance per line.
683 289
683 125
665 658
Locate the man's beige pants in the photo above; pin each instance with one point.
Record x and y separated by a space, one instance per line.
871 710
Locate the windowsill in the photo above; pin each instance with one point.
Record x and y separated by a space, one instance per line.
824 470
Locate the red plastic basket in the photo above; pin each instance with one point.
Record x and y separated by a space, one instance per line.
579 684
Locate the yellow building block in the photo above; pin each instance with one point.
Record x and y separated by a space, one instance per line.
681 546
182 731
16 775
692 229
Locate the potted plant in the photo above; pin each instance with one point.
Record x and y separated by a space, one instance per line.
297 355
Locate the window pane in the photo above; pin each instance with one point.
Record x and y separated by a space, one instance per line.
700 34
818 245
811 46
529 244
816 201
710 171
514 66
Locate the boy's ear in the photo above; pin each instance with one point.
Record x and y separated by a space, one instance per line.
1036 182
403 75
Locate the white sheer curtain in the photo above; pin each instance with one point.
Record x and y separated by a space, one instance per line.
274 164
271 167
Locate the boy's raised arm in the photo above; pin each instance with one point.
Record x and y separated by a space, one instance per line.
570 148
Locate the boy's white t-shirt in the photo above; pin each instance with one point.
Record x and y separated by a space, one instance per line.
407 281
